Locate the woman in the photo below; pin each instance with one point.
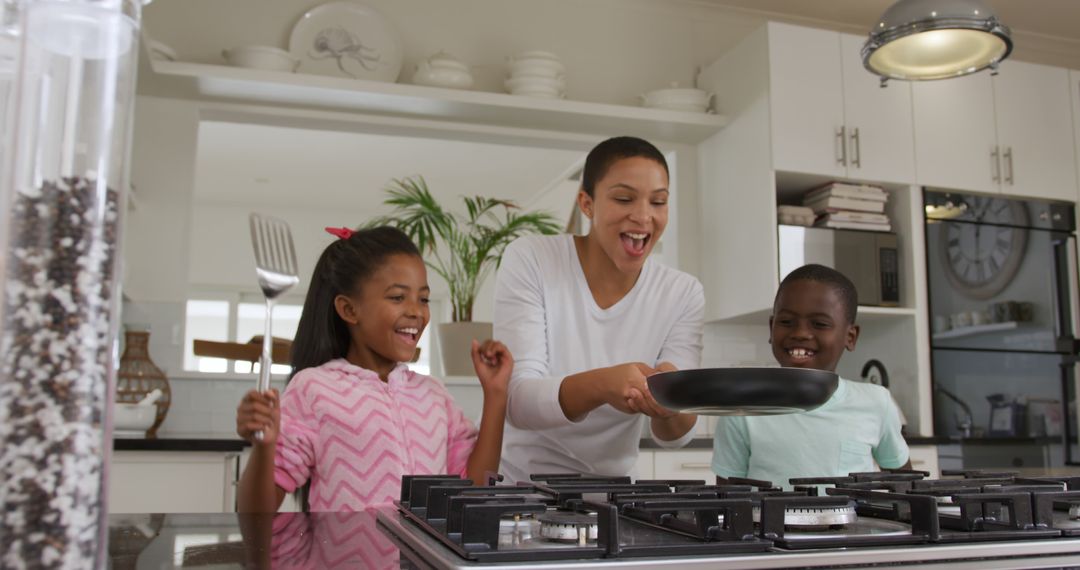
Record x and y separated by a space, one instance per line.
589 318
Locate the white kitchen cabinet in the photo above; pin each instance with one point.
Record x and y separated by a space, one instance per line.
925 458
684 464
644 467
997 134
879 127
955 135
806 99
172 482
1034 137
829 115
1074 95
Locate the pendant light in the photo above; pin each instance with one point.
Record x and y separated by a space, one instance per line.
935 39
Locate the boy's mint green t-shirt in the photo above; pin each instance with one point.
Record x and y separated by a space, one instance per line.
857 426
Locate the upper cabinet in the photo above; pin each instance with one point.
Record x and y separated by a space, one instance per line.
829 115
800 104
1074 90
1007 134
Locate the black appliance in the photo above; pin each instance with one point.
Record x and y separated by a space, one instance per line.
1002 278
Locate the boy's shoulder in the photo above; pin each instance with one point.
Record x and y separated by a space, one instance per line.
865 394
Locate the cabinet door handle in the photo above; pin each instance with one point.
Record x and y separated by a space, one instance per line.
856 159
695 466
1008 165
995 165
841 139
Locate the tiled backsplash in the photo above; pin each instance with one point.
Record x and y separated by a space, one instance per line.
205 406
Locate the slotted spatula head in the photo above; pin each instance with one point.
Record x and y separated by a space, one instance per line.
275 256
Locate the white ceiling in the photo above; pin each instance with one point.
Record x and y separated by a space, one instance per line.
1044 31
278 166
1057 18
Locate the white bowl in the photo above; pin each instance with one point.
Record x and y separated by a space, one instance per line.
539 93
160 51
536 54
133 419
680 99
542 67
261 57
534 84
443 70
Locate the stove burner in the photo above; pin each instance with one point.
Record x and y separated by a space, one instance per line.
568 527
808 518
1074 512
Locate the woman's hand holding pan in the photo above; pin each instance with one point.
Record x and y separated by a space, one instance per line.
640 400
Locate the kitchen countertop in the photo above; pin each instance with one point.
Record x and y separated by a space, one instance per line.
192 443
707 442
180 444
696 443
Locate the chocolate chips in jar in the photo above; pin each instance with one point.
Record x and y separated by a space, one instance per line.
56 343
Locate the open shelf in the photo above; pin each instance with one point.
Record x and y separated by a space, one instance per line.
253 86
975 329
869 313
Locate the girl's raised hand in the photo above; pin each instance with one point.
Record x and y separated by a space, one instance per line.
259 412
493 363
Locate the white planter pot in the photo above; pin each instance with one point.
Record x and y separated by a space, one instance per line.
455 346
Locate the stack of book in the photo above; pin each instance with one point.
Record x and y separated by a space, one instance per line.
849 206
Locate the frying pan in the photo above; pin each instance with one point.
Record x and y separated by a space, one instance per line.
743 391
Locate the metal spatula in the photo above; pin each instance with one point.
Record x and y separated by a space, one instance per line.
275 265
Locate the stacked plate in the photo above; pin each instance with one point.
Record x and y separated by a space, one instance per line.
537 74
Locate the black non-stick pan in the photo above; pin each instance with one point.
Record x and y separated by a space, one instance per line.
743 391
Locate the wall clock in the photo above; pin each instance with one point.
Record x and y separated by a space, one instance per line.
982 254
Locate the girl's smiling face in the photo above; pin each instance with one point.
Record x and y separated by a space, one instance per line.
628 210
388 314
809 327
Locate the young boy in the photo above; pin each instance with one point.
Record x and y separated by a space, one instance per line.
813 322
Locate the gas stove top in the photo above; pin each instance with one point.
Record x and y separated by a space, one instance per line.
576 521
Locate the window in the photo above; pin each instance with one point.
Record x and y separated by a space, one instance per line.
250 320
237 317
206 320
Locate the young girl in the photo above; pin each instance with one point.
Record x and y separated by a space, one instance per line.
353 418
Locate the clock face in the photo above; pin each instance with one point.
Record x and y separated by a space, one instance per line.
981 259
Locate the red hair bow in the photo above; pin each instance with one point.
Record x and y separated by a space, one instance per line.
343 233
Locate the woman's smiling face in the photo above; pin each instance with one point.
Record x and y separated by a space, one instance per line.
628 210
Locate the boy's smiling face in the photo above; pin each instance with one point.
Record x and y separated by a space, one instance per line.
809 327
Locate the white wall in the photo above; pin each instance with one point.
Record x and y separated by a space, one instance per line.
162 172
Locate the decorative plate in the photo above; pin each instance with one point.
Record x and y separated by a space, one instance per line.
347 39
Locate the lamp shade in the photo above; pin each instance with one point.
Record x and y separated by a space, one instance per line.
935 39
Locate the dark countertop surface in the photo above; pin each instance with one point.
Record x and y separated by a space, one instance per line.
179 444
231 540
647 443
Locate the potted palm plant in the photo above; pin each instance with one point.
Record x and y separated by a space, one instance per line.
463 249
